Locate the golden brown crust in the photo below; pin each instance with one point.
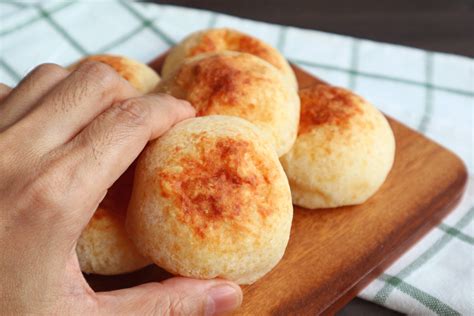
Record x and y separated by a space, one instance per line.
239 84
210 199
208 188
327 105
227 39
344 150
217 81
224 39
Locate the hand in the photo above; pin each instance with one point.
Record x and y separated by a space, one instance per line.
64 139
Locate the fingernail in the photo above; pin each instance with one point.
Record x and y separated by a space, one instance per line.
223 299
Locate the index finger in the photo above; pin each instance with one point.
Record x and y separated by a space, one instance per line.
110 143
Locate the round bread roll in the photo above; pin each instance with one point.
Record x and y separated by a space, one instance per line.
211 199
344 151
222 39
140 76
104 246
239 84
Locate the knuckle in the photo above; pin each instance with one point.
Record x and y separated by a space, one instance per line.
51 186
50 70
177 307
174 102
172 301
43 201
100 72
169 99
55 194
42 191
170 305
168 301
133 112
165 96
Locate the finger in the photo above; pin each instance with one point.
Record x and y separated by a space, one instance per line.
29 91
176 296
105 148
74 103
4 91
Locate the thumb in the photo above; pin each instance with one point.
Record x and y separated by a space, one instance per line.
176 296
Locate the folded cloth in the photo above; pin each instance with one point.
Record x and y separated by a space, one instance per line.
429 91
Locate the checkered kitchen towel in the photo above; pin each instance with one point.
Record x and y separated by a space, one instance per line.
431 92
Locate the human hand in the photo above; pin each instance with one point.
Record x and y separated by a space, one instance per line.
64 139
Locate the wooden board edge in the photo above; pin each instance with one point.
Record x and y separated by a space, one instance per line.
456 189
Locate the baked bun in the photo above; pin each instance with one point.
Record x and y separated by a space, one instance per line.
344 151
239 84
210 199
222 39
140 76
104 246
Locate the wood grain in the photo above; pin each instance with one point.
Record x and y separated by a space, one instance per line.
333 253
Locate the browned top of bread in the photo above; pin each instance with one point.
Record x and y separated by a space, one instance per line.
219 80
210 199
228 39
215 185
239 84
327 105
344 150
224 39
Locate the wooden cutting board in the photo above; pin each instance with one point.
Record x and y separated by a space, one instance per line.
334 253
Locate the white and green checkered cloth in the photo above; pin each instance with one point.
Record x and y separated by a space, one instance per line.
428 91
